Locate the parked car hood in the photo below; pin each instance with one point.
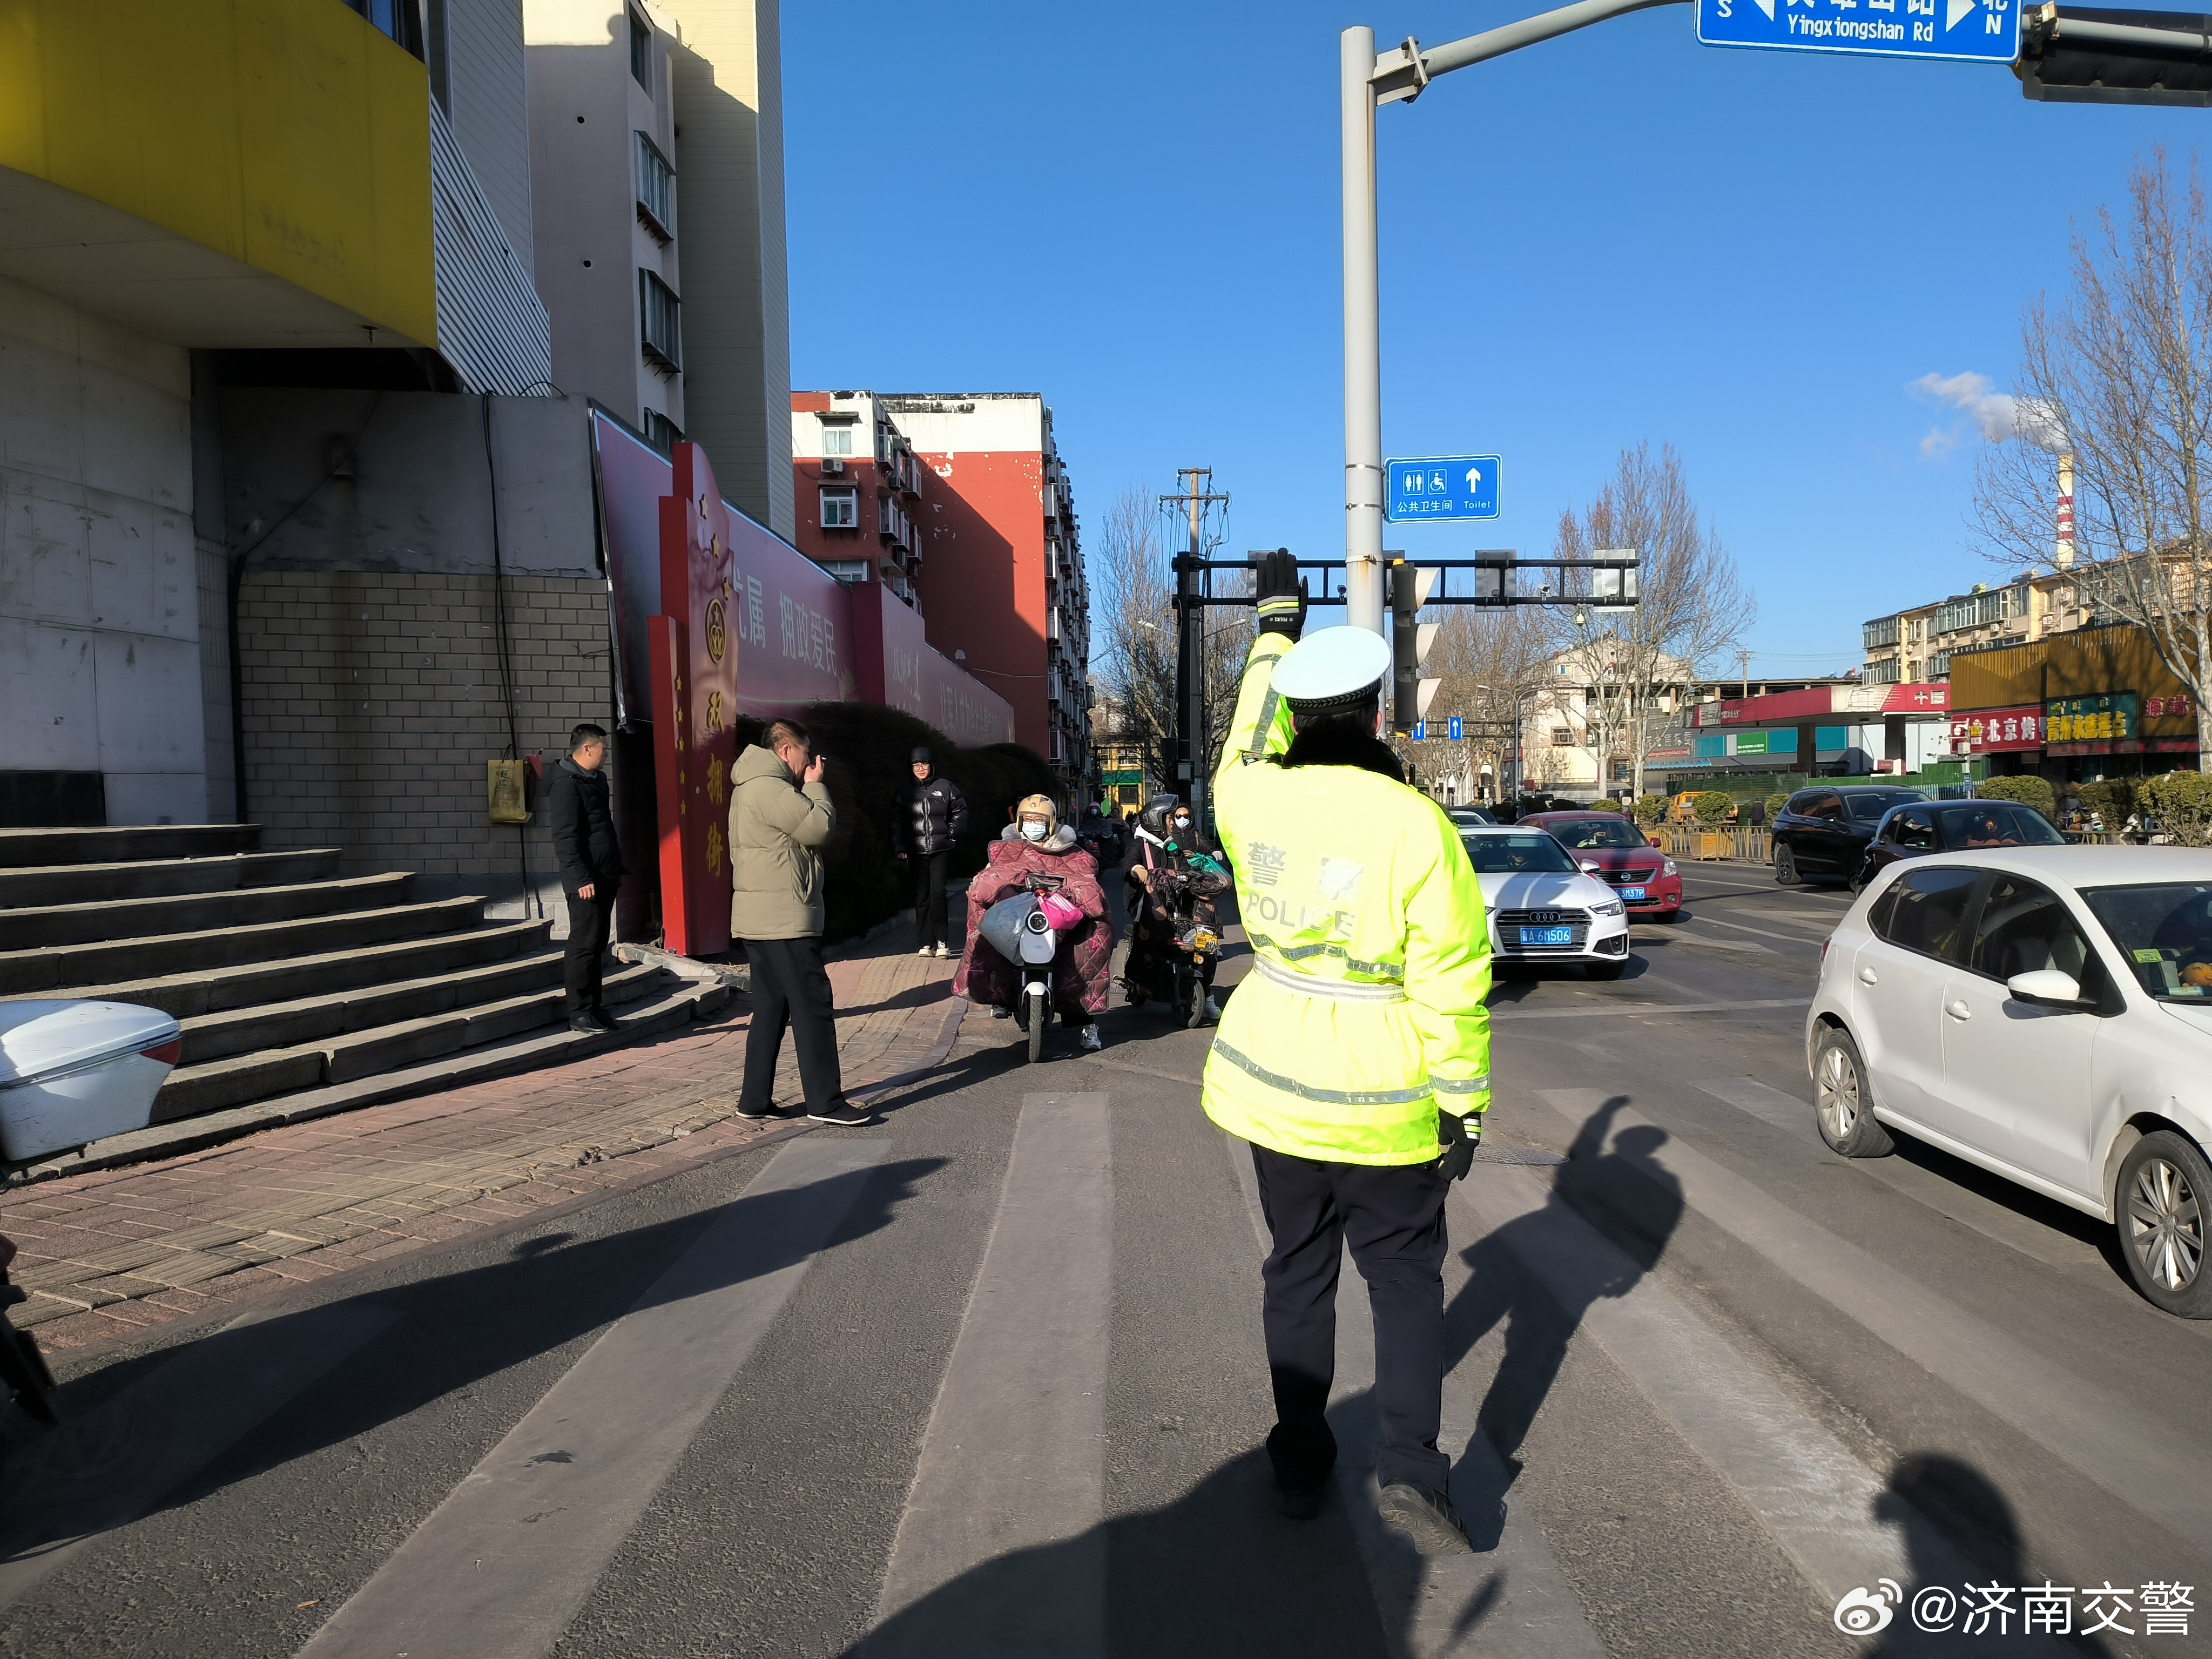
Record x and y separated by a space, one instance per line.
1543 890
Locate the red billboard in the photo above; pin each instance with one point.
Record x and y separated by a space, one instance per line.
1997 731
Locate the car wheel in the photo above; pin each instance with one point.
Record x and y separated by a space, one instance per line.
1785 865
1603 970
2165 1183
1843 1106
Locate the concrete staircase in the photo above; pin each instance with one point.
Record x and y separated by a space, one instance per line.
300 991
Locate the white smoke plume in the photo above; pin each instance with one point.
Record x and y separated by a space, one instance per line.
1997 415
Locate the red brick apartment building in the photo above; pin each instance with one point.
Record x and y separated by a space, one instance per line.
959 504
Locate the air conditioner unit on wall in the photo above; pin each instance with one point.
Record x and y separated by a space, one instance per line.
832 465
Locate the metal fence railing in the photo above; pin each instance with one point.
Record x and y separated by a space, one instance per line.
1742 843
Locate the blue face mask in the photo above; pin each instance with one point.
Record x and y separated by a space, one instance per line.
1032 830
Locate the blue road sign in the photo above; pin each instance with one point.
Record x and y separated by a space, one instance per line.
1977 31
1443 488
1420 730
1456 732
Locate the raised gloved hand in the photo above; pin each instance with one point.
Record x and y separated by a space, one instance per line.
1282 594
1458 1137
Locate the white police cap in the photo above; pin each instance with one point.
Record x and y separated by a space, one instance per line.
1333 669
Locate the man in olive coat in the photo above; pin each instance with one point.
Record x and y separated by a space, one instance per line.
780 817
578 804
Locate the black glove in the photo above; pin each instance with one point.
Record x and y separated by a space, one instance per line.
1458 1137
1282 594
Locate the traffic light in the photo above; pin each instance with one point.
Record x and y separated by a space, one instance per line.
1410 639
2085 56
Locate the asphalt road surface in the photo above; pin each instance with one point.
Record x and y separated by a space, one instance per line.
988 1381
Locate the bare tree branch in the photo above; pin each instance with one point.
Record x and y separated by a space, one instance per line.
2118 375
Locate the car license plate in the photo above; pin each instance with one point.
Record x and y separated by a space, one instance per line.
1547 936
1633 895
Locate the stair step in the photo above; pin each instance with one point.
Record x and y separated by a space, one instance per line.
27 973
243 1078
84 883
212 990
547 1045
21 850
288 1025
109 919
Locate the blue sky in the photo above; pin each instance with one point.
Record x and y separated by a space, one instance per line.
1616 236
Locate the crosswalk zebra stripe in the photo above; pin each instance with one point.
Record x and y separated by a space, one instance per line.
2159 1476
1014 1458
500 1568
1528 1610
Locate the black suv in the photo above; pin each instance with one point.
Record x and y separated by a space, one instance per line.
1822 833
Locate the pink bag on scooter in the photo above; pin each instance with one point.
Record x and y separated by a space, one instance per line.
1062 914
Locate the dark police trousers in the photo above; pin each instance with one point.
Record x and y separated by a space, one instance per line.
584 964
1394 1219
929 895
790 987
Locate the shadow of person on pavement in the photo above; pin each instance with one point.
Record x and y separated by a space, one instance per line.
1605 1225
1217 1573
1961 1532
134 1435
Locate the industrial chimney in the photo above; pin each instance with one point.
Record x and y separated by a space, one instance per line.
2062 556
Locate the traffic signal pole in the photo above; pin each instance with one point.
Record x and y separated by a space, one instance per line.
1366 81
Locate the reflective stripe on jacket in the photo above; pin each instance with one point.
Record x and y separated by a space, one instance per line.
1365 1015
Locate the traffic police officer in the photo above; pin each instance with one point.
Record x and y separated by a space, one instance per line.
1356 1055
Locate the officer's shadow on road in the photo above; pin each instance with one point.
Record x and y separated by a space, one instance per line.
1610 1216
161 1431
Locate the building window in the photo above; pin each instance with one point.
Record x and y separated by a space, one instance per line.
402 19
663 433
656 189
840 507
663 333
1562 738
640 52
1875 634
836 440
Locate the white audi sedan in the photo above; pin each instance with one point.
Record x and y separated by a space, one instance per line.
2044 1012
1542 908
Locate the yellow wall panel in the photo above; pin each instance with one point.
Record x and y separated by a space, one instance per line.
288 134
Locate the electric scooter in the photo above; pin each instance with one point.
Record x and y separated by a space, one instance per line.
1017 928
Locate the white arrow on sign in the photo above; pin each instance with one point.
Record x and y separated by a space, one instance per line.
1474 477
1959 10
1766 6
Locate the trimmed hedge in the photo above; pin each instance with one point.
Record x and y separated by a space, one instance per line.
2183 802
2028 790
1650 809
866 749
1712 805
1774 806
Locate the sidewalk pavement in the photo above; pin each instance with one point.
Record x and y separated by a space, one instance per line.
113 1251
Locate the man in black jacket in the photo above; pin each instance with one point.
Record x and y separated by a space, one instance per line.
930 816
579 806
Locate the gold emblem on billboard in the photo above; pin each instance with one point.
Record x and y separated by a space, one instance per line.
717 631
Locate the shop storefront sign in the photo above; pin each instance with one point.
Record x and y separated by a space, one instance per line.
1997 731
2107 717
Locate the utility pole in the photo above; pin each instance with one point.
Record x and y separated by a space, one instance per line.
1362 341
1743 666
1196 499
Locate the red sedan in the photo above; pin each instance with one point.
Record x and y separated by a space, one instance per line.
1612 848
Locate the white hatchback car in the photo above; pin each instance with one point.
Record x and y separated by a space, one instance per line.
1541 907
2044 1012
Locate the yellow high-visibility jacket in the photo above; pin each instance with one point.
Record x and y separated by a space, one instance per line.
1364 1013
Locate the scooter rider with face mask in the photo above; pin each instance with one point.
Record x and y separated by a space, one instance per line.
1038 852
1355 1057
1164 853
